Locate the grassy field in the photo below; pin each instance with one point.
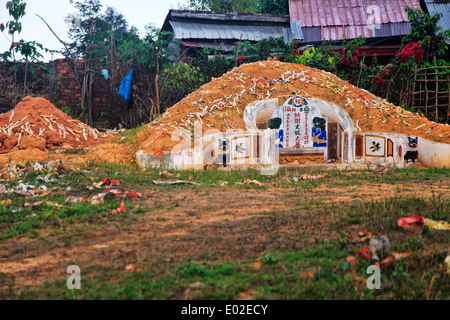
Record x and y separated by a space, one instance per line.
288 239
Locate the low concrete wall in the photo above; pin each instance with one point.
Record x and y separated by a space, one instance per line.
260 149
434 154
431 154
146 160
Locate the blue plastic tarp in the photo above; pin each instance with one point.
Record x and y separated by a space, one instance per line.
125 87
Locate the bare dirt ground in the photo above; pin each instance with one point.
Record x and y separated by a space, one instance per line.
218 223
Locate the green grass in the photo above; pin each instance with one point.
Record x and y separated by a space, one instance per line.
278 278
280 275
208 178
312 235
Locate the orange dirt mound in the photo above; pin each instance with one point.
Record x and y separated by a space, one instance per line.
35 123
222 101
29 155
218 104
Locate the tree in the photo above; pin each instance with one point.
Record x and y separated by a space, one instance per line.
224 5
425 29
178 81
273 6
105 41
95 37
251 6
16 9
28 51
91 31
149 56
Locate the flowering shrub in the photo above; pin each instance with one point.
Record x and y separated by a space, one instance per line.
241 59
350 56
411 50
379 80
350 51
294 54
405 91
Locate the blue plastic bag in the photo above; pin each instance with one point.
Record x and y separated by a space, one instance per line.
125 87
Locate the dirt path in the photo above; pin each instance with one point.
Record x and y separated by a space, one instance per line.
214 222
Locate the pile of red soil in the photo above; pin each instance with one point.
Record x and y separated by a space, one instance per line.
35 123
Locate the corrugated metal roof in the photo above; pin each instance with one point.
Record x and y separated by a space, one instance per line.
349 19
228 16
350 32
312 34
296 30
444 9
225 47
393 29
210 31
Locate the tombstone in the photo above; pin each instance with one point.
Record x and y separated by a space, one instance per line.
303 125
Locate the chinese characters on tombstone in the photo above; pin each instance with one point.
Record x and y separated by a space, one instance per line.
304 126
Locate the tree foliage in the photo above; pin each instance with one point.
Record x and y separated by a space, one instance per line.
91 31
224 5
273 6
178 81
241 6
16 9
107 42
425 29
27 53
28 50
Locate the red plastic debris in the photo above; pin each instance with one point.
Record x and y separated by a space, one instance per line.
130 267
397 256
362 95
351 260
406 222
115 192
365 253
401 255
111 183
120 209
133 195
